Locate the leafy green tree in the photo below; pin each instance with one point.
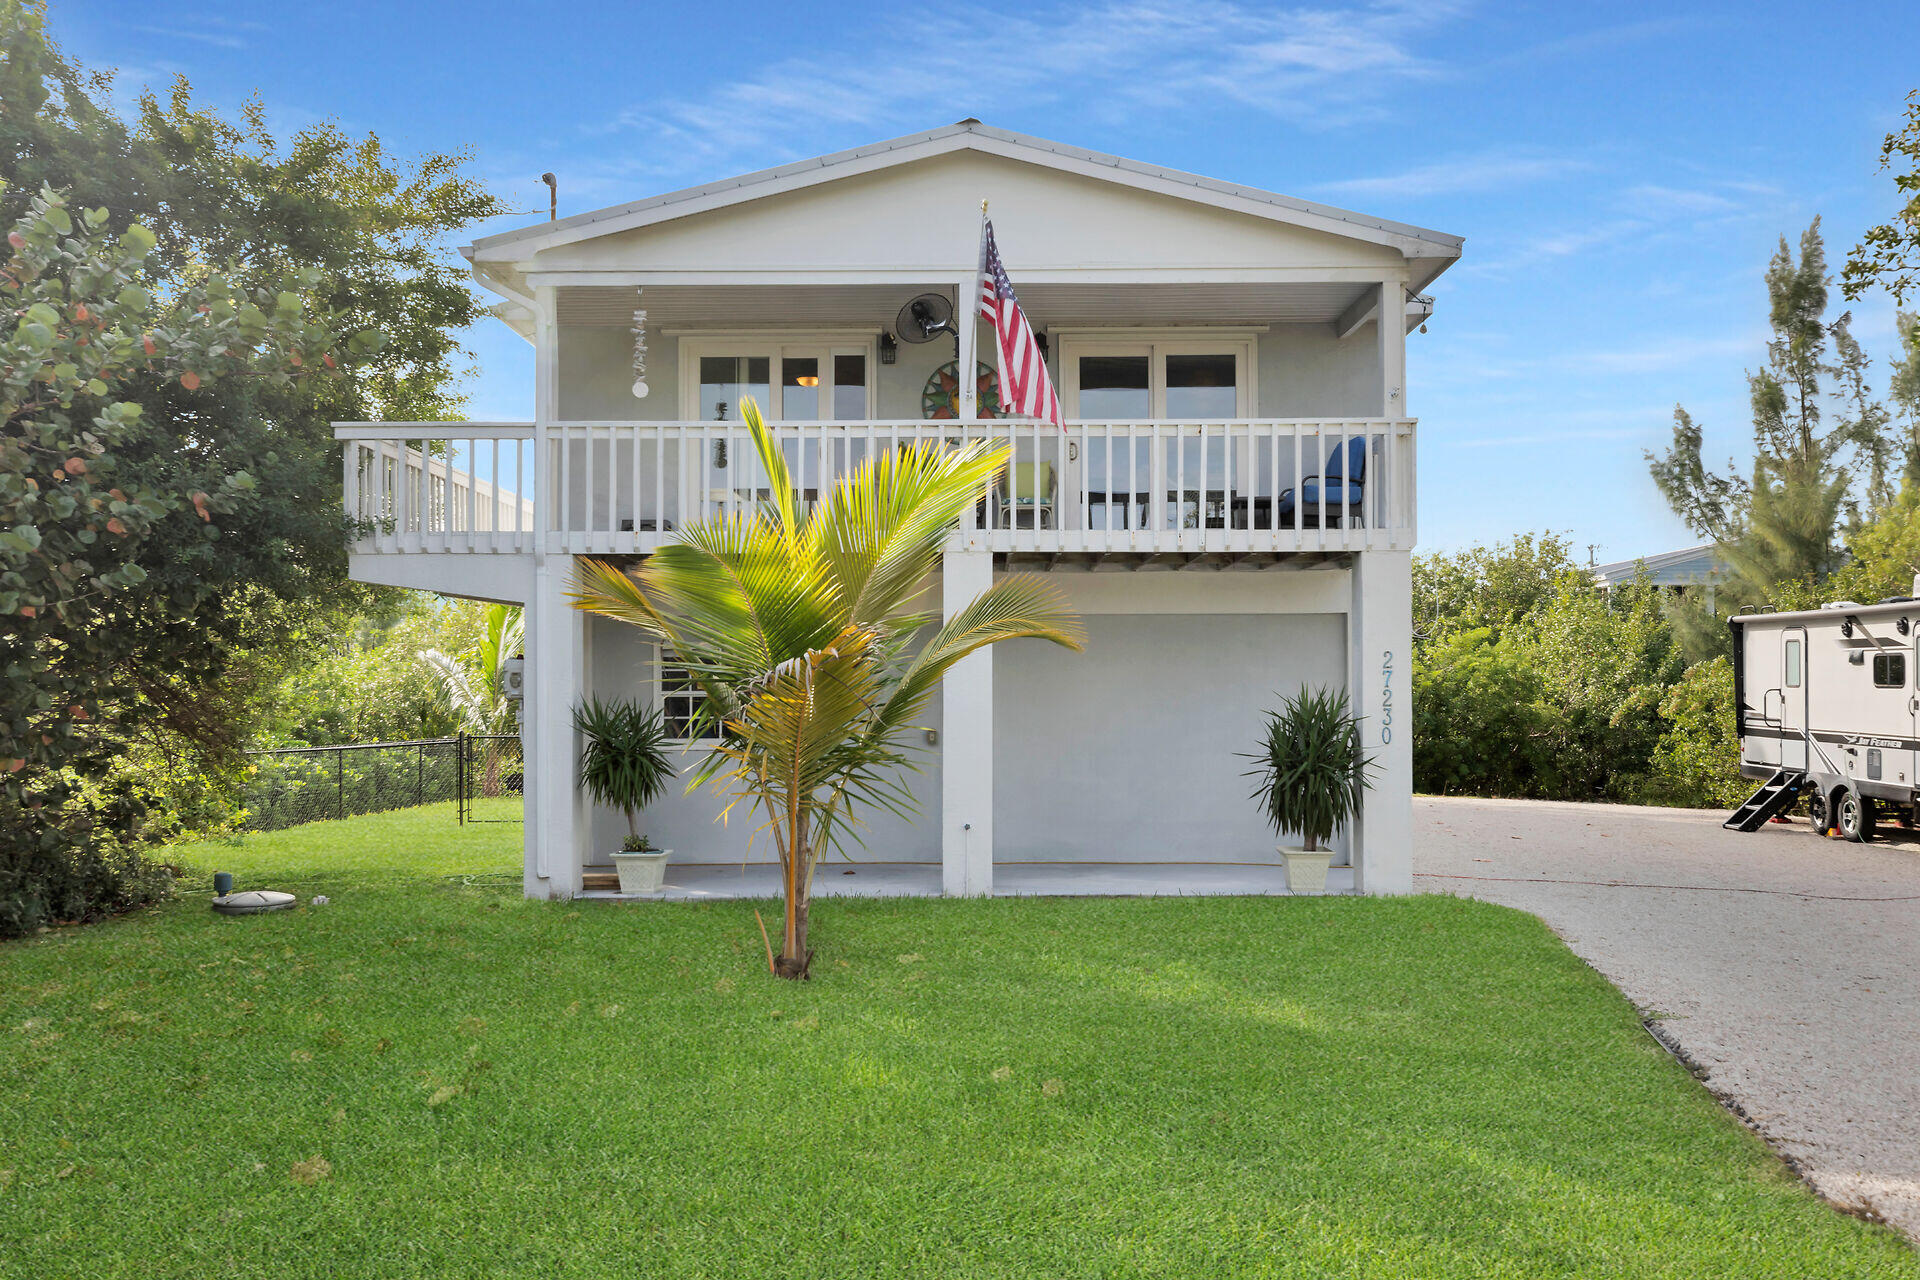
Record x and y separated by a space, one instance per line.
92 496
1697 760
1481 725
802 631
1491 587
233 588
366 683
1889 254
1604 661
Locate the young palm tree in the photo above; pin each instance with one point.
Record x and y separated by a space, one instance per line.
1312 771
472 687
801 629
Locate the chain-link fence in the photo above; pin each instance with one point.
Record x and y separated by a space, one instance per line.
481 773
492 783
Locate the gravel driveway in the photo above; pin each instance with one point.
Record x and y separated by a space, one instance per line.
1786 966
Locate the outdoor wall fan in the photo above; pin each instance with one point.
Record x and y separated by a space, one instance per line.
922 318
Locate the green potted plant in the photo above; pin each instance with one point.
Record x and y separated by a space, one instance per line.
1311 775
624 764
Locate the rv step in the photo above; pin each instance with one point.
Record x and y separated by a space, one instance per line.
1776 795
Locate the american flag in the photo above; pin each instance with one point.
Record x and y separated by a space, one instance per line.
1025 387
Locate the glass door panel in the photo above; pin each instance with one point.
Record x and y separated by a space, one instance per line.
726 380
849 386
800 388
1116 386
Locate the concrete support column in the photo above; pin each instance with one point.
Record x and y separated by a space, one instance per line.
966 740
558 817
1380 635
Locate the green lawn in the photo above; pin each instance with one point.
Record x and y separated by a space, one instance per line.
1180 1088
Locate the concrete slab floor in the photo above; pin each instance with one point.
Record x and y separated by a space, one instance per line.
707 882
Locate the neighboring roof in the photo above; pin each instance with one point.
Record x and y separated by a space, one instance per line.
1685 567
1437 248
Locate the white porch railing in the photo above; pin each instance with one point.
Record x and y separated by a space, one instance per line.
608 488
439 486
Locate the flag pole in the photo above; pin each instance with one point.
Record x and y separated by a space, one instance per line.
968 323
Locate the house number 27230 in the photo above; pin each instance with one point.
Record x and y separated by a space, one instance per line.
1386 698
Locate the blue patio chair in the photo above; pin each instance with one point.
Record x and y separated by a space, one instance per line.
1345 479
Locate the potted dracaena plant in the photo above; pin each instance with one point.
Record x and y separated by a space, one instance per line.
1311 775
624 765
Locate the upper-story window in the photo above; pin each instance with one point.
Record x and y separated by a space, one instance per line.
790 382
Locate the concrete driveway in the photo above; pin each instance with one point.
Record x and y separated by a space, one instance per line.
1784 965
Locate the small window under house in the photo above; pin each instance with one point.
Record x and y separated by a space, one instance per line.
681 699
1889 670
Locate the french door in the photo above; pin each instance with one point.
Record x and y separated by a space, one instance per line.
1181 483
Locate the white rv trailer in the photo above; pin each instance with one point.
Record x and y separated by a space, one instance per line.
1827 706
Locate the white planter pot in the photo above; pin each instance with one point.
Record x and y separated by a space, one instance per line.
642 872
1306 872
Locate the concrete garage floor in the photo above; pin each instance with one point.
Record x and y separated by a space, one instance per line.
1786 966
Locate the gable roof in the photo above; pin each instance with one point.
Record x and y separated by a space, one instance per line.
1435 248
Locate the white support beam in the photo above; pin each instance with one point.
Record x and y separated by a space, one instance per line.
1380 635
966 740
558 818
1364 308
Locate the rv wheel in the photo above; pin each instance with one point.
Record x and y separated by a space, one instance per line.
1853 814
1817 811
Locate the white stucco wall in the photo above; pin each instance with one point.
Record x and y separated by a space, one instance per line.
1307 372
622 666
1126 753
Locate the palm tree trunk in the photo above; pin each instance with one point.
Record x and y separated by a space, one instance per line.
794 957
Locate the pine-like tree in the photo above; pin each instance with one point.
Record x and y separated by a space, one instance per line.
1780 523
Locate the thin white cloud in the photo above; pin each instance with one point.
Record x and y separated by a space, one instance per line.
1115 59
1655 198
1544 250
1487 171
1672 353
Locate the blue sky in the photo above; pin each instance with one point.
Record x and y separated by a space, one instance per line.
1621 173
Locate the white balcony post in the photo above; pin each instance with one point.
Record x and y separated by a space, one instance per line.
1380 634
966 739
1393 348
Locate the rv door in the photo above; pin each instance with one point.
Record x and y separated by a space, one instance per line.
1793 710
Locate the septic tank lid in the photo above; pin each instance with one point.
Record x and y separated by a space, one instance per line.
253 902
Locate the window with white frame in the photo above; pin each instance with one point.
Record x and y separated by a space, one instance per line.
681 700
819 379
1192 376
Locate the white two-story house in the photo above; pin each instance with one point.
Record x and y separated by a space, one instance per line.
1231 507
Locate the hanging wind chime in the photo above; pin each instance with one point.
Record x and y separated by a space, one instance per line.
639 348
